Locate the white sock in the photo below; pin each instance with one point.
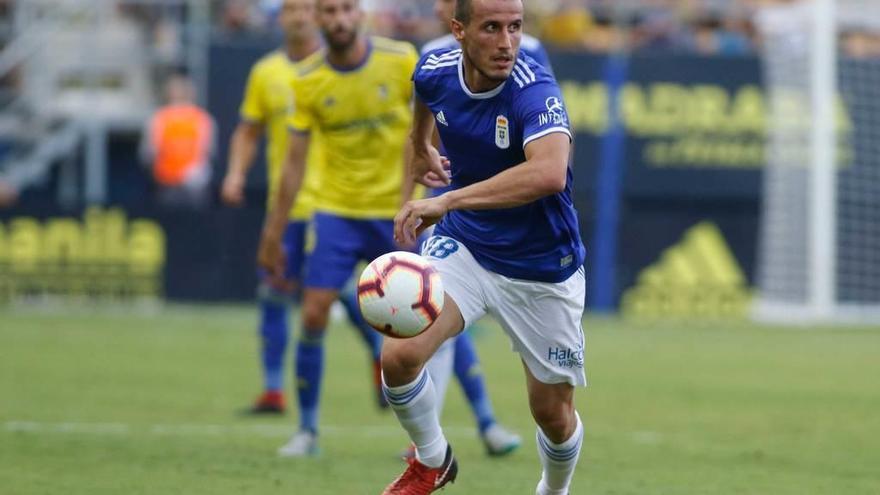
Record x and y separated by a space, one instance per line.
440 368
415 405
558 461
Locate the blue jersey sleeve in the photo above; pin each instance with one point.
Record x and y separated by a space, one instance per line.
424 77
418 77
539 111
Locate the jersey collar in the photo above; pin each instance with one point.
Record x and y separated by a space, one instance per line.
477 96
356 67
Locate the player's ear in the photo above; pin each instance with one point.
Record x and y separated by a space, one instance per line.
457 29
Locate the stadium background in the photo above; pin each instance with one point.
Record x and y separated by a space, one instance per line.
691 149
676 181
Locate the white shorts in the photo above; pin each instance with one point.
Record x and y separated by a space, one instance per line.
542 320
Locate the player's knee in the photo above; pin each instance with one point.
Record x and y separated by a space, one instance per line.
315 314
556 419
400 360
314 319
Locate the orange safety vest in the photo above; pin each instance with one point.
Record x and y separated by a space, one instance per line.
181 137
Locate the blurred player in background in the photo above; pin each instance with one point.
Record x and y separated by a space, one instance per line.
354 98
507 241
267 103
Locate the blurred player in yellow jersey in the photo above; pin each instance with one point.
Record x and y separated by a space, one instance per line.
265 109
267 101
354 98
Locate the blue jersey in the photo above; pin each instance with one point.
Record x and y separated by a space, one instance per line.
529 45
485 134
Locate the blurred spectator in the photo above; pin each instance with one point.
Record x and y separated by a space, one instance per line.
861 44
716 35
660 27
708 27
411 20
8 194
381 17
269 10
239 16
177 145
569 26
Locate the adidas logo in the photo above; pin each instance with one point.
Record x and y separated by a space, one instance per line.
698 276
442 118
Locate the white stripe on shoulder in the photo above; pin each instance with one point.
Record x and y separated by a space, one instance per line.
545 132
445 56
448 63
446 60
517 71
527 70
516 78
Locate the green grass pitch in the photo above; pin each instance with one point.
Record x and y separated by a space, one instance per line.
129 402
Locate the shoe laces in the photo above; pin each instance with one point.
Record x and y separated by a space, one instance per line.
416 474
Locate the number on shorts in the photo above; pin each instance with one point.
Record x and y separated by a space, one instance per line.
440 247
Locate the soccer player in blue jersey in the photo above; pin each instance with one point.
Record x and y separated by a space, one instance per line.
464 361
506 239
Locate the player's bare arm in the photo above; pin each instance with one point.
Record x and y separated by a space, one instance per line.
242 151
543 173
425 165
409 184
270 255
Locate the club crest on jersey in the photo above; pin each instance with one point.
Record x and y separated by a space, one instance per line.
502 132
555 113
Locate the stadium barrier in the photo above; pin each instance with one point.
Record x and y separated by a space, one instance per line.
116 255
668 192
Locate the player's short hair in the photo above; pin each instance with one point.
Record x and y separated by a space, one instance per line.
463 11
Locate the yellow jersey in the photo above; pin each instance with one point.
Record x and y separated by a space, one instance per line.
267 101
362 118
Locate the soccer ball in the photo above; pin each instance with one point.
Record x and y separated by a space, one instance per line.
400 294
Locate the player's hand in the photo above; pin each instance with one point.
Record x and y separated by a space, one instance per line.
416 216
232 191
429 168
270 255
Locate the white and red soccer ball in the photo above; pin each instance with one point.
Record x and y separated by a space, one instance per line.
400 294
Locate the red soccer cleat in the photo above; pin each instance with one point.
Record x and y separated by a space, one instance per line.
271 402
419 479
